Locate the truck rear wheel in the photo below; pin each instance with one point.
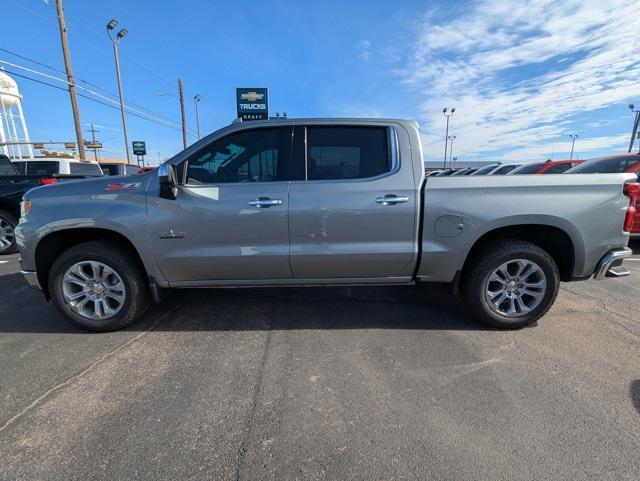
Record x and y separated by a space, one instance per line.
8 223
511 284
99 286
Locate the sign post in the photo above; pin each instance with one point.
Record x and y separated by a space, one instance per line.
140 150
252 103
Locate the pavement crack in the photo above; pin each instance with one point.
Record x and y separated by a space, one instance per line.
242 450
90 368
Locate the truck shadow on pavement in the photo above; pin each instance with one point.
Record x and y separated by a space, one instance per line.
430 307
635 246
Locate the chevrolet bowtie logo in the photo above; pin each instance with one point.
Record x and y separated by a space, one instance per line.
251 96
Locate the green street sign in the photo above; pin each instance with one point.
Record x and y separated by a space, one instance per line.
252 103
139 147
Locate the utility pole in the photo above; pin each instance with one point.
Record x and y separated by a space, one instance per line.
93 139
573 143
70 79
634 131
196 100
446 135
116 41
184 116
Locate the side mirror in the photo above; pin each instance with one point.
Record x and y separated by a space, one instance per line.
168 181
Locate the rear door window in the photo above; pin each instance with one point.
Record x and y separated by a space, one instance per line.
336 153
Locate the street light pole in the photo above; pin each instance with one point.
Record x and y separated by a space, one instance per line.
196 101
573 143
446 135
116 41
70 79
451 138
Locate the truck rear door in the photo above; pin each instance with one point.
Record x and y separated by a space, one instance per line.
352 203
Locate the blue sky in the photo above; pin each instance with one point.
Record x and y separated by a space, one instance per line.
522 75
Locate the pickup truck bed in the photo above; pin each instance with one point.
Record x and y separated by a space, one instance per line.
320 202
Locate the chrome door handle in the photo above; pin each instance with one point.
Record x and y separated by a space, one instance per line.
265 202
391 199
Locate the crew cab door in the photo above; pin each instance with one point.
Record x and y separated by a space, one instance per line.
353 203
229 220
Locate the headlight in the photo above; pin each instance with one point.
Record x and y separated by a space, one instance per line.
25 207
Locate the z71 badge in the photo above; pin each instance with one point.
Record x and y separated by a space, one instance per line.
122 186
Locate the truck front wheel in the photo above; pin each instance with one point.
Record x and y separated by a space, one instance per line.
511 284
8 224
99 286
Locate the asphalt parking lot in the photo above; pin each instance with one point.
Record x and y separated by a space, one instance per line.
325 383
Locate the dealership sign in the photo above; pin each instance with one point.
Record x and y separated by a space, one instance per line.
252 103
139 147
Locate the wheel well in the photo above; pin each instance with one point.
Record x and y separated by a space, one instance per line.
51 246
8 208
552 239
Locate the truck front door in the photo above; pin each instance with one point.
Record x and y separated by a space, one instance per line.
353 207
229 220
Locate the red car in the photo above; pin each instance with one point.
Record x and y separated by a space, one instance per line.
613 164
548 167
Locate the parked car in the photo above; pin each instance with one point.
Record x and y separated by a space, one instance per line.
309 202
445 173
629 163
547 167
504 169
464 171
146 168
56 166
13 185
116 168
610 164
484 170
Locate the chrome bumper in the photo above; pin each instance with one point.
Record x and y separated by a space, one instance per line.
611 264
32 279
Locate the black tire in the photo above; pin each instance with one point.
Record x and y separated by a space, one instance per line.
490 258
9 218
137 297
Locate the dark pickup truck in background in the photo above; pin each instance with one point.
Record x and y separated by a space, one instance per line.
12 187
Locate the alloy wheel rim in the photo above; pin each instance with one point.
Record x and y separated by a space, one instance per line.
7 236
515 288
93 290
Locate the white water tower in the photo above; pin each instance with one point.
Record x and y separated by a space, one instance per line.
13 127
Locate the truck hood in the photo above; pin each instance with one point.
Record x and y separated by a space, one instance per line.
93 186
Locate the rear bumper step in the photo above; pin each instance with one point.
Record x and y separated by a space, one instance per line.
611 264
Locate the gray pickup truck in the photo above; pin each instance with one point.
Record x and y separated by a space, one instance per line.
320 202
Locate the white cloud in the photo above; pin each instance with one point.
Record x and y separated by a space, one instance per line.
519 75
364 49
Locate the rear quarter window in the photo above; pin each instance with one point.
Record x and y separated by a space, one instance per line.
80 168
43 167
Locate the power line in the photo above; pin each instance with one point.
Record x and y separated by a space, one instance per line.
90 98
157 118
82 80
